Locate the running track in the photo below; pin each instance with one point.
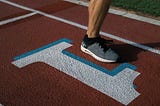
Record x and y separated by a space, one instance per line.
27 26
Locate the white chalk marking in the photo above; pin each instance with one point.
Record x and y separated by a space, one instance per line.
156 51
16 18
119 86
122 13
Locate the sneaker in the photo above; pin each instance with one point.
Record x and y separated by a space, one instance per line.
97 48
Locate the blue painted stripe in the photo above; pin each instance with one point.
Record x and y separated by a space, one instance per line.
134 86
111 73
42 48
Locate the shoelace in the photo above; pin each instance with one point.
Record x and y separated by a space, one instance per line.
104 44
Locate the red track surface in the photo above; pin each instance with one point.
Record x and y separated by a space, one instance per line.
39 84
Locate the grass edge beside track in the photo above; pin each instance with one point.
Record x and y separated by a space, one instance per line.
126 6
150 7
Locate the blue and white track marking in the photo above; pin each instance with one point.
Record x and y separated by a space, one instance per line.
117 83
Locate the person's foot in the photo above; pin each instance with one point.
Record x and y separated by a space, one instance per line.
97 48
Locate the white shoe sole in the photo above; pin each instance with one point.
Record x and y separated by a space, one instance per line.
96 57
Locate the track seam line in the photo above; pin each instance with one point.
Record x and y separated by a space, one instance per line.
156 51
121 13
10 20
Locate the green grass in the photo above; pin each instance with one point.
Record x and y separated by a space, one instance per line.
151 7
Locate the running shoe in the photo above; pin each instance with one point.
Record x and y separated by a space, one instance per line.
97 48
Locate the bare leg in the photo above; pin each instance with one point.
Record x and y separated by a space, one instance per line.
97 12
93 44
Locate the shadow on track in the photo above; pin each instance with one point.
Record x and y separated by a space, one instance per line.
129 53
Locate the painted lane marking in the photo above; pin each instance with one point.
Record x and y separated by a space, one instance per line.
117 83
156 51
17 18
1 104
111 73
122 13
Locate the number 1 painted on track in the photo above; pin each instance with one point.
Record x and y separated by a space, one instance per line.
117 83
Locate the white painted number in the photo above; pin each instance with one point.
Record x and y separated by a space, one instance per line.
119 86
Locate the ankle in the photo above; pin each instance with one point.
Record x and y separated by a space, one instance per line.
92 35
89 41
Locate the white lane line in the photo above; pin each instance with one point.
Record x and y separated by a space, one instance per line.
122 13
156 51
16 18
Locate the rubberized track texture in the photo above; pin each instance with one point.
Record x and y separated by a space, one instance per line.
41 61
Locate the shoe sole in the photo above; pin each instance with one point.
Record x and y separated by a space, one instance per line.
95 56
